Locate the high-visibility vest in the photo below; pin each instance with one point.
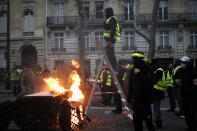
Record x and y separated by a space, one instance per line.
125 74
109 78
18 74
175 70
12 76
161 85
108 32
169 80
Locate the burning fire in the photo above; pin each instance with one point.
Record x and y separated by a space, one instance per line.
74 78
53 85
75 64
77 94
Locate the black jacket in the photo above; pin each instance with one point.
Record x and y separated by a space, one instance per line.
141 85
188 89
111 25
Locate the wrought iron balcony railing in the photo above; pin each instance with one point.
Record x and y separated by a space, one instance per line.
58 49
28 0
62 20
126 48
192 47
171 18
125 19
166 47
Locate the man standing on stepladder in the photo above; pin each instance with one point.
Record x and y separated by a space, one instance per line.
111 35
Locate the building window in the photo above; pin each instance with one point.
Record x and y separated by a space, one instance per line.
99 37
99 9
87 40
164 40
193 9
59 42
193 38
85 8
128 10
28 22
59 13
129 41
163 10
3 22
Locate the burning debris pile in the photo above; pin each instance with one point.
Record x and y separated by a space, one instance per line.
56 108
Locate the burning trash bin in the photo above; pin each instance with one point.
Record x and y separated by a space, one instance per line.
40 112
56 108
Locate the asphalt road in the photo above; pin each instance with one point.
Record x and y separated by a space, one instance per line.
102 119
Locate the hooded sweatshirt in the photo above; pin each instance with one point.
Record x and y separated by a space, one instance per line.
111 25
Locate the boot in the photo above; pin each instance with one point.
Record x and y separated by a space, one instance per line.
158 124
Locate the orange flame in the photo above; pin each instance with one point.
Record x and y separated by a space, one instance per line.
75 64
53 85
77 94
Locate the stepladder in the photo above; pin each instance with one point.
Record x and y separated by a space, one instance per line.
104 58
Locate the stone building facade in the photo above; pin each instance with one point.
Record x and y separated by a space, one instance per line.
45 31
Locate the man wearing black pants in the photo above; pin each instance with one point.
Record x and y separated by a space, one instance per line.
111 35
140 92
170 88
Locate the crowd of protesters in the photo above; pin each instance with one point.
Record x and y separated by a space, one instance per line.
25 80
146 83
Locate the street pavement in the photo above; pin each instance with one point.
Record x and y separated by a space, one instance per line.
103 120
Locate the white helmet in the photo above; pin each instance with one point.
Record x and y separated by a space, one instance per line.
185 59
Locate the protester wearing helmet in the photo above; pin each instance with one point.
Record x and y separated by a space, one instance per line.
140 92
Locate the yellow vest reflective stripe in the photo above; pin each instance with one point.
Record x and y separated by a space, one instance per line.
101 76
125 74
169 80
108 32
109 78
161 85
175 70
18 75
12 76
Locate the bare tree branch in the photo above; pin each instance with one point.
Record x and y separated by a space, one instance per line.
151 40
135 22
152 45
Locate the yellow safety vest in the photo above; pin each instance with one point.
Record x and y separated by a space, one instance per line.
108 32
18 75
169 80
13 76
161 85
125 74
175 70
109 78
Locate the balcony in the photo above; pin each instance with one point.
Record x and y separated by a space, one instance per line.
58 49
164 48
192 48
92 48
126 48
62 20
24 1
172 18
123 19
